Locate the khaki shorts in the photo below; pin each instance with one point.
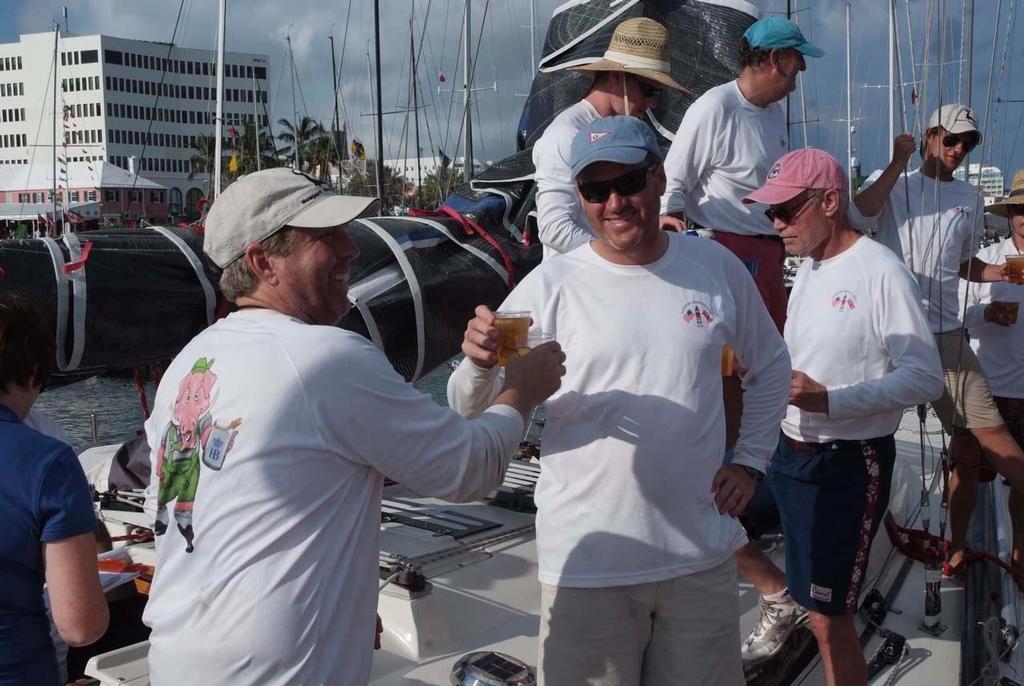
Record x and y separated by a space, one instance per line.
684 630
966 402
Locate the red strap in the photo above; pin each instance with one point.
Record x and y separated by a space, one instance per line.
141 388
470 226
78 264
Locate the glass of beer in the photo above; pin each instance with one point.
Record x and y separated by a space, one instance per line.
513 333
728 361
1015 268
533 340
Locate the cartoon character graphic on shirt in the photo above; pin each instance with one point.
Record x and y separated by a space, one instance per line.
191 435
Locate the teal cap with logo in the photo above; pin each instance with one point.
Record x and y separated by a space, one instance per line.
776 33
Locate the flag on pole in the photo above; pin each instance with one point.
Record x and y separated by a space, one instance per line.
913 96
358 151
440 77
75 217
233 164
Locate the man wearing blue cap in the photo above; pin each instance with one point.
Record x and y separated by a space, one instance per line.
728 139
635 511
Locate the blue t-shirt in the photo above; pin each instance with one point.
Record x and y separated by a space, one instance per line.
44 497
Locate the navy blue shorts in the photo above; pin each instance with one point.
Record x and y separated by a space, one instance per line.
832 497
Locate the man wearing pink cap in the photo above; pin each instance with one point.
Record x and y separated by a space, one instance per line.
853 299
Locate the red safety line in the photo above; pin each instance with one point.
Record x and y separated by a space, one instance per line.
78 264
471 227
141 389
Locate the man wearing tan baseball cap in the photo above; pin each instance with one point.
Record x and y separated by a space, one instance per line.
934 222
271 435
627 81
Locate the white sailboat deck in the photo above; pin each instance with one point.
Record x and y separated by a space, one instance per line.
483 592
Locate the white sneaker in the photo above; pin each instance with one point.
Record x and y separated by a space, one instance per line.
778 620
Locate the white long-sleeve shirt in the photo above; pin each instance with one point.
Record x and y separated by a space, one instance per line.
561 224
282 585
855 325
636 433
1000 349
931 224
722 152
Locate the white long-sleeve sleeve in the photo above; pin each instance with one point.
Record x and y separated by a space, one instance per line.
561 224
471 389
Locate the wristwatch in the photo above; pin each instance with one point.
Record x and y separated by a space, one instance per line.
755 474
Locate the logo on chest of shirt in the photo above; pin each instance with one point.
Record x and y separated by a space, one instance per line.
843 301
697 313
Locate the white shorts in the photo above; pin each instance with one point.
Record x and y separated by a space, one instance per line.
683 630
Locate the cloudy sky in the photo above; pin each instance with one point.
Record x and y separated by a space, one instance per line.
501 28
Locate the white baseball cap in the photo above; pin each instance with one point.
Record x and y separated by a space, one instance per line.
955 119
258 205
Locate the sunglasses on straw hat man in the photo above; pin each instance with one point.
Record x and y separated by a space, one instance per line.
1013 205
639 46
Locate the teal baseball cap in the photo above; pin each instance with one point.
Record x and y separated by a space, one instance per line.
774 33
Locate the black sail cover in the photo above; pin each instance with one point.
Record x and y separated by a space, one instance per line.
124 297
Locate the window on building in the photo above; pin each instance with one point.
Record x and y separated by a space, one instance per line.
63 59
75 54
90 196
19 61
24 197
135 196
75 196
156 196
90 56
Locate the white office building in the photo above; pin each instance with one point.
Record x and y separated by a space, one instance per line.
139 105
989 178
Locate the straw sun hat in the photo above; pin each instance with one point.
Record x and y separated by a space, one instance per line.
1016 197
639 46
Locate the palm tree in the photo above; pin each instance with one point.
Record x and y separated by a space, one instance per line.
396 189
245 151
202 160
437 184
308 131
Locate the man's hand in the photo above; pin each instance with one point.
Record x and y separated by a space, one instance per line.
733 489
535 376
807 394
480 342
1001 313
903 148
376 636
671 223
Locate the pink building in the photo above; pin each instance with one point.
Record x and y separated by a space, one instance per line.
125 198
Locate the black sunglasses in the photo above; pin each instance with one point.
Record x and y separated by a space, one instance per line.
646 89
970 140
629 183
787 214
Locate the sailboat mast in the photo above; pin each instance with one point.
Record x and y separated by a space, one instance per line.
849 108
789 140
295 109
56 37
533 37
380 105
415 101
335 123
467 166
892 69
219 119
256 116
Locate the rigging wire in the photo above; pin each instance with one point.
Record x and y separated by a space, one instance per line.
159 94
472 78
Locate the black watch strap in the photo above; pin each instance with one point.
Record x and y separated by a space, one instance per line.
755 474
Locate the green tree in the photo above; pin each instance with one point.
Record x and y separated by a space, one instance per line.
307 133
202 160
397 190
438 185
244 150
